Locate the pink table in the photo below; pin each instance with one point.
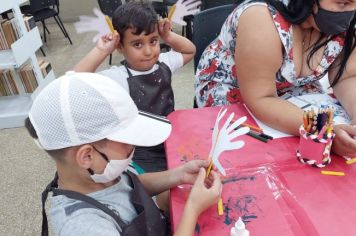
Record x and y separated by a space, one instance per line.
266 185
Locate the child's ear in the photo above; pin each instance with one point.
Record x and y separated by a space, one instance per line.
119 47
84 156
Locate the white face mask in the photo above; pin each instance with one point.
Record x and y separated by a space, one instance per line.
113 169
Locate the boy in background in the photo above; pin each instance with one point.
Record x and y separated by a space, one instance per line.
146 72
90 126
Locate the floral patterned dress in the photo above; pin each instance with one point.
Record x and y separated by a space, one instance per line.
216 82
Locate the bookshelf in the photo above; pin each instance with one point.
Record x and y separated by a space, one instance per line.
14 109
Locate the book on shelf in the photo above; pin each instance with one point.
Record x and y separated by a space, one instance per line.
9 30
29 22
45 67
7 83
26 76
16 28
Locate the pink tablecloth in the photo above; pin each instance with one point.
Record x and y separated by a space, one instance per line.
265 184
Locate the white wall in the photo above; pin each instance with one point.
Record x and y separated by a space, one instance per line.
71 9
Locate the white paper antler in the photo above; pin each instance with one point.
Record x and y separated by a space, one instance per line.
184 8
222 139
90 23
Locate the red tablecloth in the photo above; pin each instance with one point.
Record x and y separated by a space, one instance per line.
265 184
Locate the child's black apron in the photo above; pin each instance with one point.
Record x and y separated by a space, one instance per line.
149 220
152 93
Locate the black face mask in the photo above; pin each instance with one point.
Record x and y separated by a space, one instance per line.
331 23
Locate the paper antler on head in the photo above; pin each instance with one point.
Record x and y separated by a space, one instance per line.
101 24
183 8
222 139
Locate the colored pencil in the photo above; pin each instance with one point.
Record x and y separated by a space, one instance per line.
335 173
209 168
263 135
305 120
256 136
171 12
349 162
252 127
108 21
322 132
220 207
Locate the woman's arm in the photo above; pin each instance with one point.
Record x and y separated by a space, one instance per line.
344 90
258 57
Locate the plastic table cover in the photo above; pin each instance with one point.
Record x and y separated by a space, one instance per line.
265 184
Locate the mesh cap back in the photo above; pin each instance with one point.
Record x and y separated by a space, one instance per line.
80 108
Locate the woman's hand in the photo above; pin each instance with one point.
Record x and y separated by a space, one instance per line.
344 143
204 192
108 43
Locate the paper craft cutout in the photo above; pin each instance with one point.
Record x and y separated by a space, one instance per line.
222 139
99 24
183 8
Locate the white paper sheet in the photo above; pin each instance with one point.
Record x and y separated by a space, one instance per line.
268 130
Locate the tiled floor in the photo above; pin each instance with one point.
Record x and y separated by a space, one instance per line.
24 169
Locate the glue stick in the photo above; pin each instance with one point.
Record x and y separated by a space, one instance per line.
239 229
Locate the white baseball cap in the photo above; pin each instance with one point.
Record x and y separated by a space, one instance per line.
80 108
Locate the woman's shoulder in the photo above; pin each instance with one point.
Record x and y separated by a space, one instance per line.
258 17
262 10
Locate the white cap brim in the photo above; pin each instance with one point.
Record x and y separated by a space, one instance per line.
145 130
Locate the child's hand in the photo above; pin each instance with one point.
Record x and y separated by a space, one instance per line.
108 43
164 28
189 171
203 196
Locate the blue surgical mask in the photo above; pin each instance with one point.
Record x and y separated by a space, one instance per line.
332 23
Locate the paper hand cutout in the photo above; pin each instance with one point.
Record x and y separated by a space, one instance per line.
91 23
181 9
216 130
222 138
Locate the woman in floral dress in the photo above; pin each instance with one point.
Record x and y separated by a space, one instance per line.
267 48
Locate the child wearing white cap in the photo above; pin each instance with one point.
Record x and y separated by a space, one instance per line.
90 126
146 72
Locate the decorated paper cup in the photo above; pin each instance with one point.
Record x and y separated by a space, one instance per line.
314 150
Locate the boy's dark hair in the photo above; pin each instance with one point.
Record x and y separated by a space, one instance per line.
56 154
137 15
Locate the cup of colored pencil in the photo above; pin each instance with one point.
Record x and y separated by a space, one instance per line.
316 136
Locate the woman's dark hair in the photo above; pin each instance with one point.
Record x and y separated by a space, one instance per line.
298 11
56 154
138 15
